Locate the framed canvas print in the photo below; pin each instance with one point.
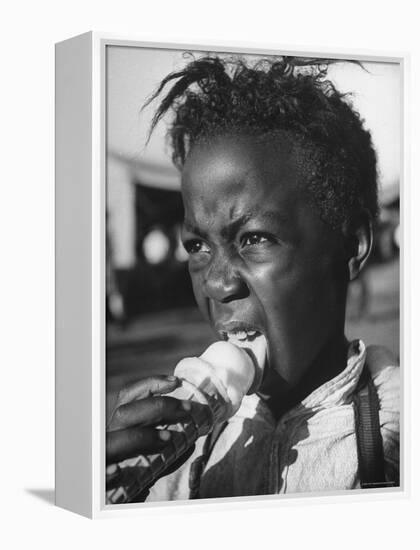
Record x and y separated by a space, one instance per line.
229 254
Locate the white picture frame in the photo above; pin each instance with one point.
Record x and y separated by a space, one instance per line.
80 272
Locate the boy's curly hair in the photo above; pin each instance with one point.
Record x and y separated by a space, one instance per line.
290 96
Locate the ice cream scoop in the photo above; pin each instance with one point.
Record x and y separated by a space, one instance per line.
224 373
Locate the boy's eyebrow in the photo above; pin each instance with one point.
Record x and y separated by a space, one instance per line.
189 226
266 215
233 227
227 231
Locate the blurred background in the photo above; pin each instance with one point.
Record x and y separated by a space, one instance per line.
152 321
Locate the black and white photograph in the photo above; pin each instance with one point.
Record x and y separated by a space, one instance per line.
252 288
210 275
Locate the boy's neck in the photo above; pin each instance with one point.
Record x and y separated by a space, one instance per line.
327 365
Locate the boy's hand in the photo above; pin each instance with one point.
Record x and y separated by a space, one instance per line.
140 407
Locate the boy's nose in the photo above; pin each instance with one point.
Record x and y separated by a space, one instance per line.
223 283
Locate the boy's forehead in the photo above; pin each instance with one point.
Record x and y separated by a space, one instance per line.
227 151
241 167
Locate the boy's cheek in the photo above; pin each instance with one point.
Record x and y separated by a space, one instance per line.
199 295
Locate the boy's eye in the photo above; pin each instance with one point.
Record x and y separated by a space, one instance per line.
196 246
253 239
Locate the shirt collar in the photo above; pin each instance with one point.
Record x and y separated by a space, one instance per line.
335 392
338 390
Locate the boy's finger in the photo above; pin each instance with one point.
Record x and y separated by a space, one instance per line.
153 385
123 444
151 411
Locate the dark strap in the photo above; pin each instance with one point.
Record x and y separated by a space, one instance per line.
368 433
197 467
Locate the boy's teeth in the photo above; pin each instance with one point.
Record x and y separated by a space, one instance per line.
242 334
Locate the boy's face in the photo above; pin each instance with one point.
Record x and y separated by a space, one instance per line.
261 260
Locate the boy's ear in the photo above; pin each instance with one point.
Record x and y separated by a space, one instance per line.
359 243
